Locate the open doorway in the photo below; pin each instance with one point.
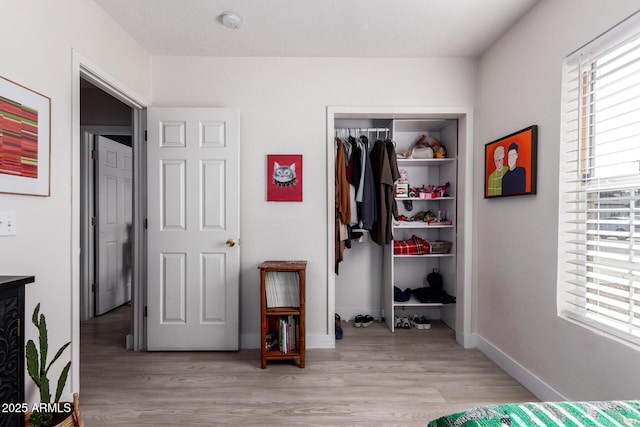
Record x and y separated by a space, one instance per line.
84 69
106 201
106 127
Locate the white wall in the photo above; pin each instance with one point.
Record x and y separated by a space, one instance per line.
38 38
519 85
283 108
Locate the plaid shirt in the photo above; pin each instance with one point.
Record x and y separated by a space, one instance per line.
412 246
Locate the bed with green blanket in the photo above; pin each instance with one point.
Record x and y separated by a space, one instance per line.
565 414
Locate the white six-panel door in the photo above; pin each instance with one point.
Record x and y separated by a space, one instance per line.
193 229
114 167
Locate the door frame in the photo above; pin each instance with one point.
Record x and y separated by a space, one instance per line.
86 69
466 188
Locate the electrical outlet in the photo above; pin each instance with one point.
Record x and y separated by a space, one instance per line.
8 224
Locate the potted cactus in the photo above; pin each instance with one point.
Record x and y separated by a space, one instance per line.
48 412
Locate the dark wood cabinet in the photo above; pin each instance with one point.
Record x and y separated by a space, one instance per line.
273 317
12 346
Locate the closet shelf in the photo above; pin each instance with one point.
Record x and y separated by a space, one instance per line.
415 302
416 224
425 256
435 199
418 162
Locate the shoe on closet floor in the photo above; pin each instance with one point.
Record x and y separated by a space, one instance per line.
398 322
426 324
338 327
367 321
357 322
416 322
405 323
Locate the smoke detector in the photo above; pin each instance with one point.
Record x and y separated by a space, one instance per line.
231 20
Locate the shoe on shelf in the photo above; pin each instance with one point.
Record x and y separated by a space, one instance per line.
416 322
357 322
367 321
405 323
426 324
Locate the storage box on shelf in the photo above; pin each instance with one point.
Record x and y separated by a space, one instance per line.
441 247
282 311
429 213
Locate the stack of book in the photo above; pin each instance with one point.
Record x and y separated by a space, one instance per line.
283 333
282 289
287 333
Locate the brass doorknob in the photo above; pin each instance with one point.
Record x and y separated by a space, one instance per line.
231 242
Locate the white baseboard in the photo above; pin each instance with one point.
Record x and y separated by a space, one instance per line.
531 382
467 340
321 341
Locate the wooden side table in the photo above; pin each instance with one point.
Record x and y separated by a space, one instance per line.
282 311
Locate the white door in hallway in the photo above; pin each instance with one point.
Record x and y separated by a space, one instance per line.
193 229
114 192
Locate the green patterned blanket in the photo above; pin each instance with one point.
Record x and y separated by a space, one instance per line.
564 414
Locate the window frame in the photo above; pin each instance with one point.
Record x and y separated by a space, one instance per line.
598 283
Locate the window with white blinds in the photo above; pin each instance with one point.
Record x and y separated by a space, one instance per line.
599 215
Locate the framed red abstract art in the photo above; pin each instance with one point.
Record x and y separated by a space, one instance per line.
284 177
25 140
510 164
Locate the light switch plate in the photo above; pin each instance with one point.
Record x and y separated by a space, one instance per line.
8 224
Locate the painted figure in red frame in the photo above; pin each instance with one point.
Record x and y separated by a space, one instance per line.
284 178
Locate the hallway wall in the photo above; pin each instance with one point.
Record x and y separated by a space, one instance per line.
37 49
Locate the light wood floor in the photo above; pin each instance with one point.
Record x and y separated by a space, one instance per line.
371 378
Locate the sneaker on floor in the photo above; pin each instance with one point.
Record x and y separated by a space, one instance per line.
357 322
405 323
367 321
338 327
416 322
426 324
398 322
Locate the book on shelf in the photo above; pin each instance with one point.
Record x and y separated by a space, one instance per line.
287 333
282 289
283 333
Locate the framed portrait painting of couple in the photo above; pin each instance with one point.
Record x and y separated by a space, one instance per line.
510 164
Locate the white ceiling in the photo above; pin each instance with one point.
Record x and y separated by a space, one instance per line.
318 28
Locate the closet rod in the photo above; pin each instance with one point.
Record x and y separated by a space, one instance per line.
365 129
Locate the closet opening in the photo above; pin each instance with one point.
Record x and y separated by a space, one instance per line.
364 277
359 273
